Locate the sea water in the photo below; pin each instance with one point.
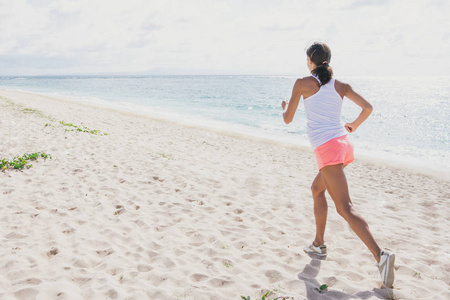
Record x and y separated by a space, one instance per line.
410 124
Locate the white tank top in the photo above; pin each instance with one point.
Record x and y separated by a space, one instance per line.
323 114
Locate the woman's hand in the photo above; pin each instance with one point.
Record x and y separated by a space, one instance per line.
350 127
290 107
361 102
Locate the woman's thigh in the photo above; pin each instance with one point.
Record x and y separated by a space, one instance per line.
336 185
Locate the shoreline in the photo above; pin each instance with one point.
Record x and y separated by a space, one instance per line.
243 132
162 211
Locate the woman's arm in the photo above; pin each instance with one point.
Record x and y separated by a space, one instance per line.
361 102
288 114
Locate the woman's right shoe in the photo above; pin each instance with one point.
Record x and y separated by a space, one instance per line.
317 250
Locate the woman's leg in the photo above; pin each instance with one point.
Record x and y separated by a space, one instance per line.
320 208
336 184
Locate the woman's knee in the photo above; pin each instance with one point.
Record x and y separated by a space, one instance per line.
345 211
317 189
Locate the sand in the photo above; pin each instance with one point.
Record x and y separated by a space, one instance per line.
157 210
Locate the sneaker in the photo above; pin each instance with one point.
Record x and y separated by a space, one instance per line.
386 267
320 250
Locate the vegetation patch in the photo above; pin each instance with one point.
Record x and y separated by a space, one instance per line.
25 110
263 297
266 297
71 127
21 162
76 128
7 101
166 156
227 263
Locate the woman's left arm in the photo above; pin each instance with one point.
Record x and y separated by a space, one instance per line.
289 111
361 102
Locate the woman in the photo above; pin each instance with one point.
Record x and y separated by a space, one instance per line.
322 97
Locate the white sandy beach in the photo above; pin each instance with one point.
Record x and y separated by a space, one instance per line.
156 210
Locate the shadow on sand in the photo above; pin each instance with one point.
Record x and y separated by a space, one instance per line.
308 276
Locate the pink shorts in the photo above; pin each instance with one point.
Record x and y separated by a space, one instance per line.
334 152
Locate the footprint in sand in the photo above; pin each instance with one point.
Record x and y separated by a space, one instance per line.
144 268
198 277
273 276
15 236
30 281
216 282
26 294
53 251
81 281
111 294
120 210
105 252
69 231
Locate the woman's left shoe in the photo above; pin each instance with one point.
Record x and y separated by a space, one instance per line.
386 267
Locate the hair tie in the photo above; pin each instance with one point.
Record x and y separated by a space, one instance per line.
325 62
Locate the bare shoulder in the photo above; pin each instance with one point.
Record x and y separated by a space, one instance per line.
341 87
309 80
308 86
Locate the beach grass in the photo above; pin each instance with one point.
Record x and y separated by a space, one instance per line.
25 110
21 162
267 296
39 113
79 128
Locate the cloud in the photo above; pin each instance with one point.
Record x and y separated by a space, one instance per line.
362 3
277 27
36 62
245 36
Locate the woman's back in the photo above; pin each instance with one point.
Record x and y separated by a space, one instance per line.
323 106
310 86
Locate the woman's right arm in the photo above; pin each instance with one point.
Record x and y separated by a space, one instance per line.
289 112
361 102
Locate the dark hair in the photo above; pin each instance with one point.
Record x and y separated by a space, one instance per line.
320 55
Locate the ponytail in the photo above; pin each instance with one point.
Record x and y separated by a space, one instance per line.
324 72
320 55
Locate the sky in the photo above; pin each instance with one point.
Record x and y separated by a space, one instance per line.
265 37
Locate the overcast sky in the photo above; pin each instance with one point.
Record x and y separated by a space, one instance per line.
367 37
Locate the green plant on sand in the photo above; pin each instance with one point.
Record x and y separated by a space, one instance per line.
20 162
267 295
23 109
79 128
263 297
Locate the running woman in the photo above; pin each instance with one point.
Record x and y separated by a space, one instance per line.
322 97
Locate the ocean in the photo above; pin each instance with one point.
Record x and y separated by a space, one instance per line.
409 126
